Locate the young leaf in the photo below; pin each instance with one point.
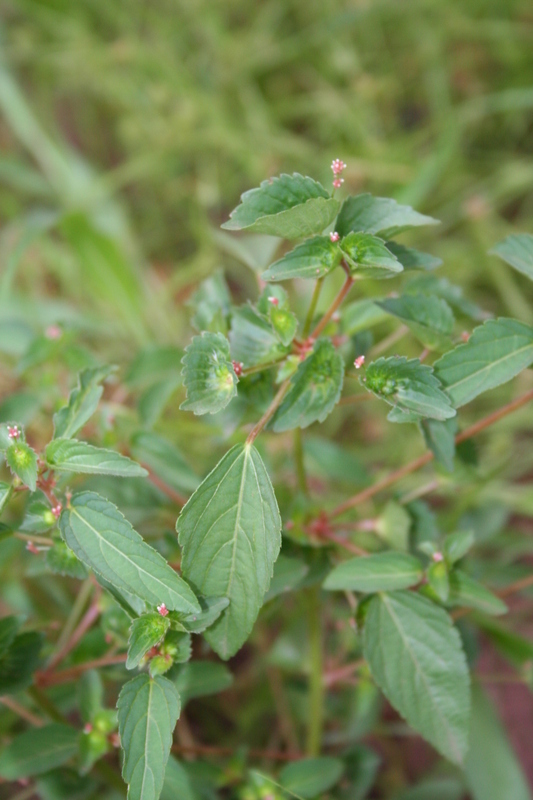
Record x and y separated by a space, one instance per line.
22 461
439 580
70 455
104 540
313 258
368 256
290 206
212 608
208 374
428 317
375 573
315 389
409 386
415 655
148 709
253 341
38 750
457 545
311 777
411 259
202 678
496 352
145 633
378 215
82 402
230 534
439 436
19 661
517 250
165 460
465 591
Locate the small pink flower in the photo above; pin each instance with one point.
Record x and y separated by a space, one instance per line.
31 548
338 166
337 183
56 511
53 332
163 610
438 557
465 336
274 301
13 432
87 728
238 367
334 236
359 361
114 739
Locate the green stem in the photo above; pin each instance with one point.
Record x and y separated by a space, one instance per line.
312 308
299 461
348 283
25 537
269 413
316 683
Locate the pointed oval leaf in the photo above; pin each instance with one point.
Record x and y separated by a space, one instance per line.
412 259
368 256
311 777
145 633
103 539
208 374
375 573
70 455
378 215
428 317
465 591
496 352
253 340
315 389
148 709
517 250
82 402
230 531
291 206
415 656
38 750
22 461
409 386
19 662
312 259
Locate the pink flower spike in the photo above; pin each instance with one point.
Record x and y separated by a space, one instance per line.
163 610
337 183
438 557
359 361
274 301
87 728
334 236
238 367
31 548
13 432
53 332
338 166
56 511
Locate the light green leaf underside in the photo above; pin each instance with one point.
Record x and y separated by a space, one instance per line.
148 710
69 455
428 317
517 250
208 374
82 402
415 655
311 259
105 541
291 206
230 534
315 389
375 573
378 215
496 352
38 750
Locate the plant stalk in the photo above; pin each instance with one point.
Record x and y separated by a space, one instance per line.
312 308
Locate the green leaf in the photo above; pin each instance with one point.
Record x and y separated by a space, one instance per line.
439 436
208 374
9 627
369 257
70 455
428 317
311 777
314 258
360 316
148 709
153 365
38 750
492 769
411 259
230 534
430 284
517 250
103 539
164 460
315 389
178 784
496 352
145 633
211 303
415 656
393 525
290 206
90 692
378 215
253 340
435 789
465 591
19 662
202 678
457 545
82 402
409 386
22 461
212 608
62 561
5 493
375 573
153 401
439 580
289 572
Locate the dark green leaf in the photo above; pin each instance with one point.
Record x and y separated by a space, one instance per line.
465 591
201 678
104 540
177 785
253 340
369 257
496 352
313 258
428 317
435 789
145 633
517 250
212 608
22 461
311 777
19 662
315 389
375 573
165 460
208 374
415 655
82 402
148 710
230 534
410 258
290 206
69 455
439 436
38 750
9 627
378 215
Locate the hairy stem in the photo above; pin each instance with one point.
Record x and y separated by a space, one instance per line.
316 683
